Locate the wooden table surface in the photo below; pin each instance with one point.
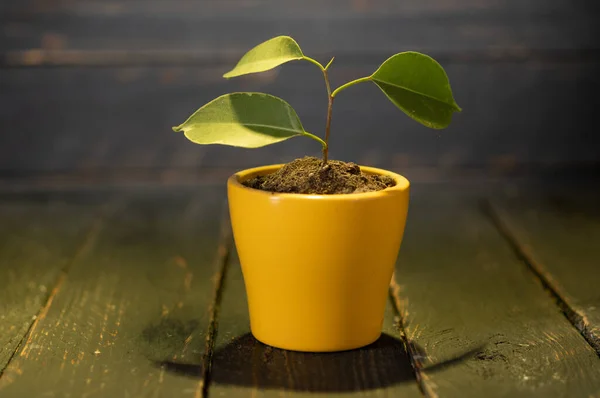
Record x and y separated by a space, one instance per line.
139 293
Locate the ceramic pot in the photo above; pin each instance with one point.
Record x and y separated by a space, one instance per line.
317 268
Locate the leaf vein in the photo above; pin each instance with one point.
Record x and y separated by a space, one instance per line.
253 125
451 105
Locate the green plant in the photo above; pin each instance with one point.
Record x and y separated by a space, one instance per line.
414 82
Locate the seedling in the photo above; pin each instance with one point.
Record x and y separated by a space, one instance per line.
414 82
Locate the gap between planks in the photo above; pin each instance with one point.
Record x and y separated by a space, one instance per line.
86 244
222 260
223 256
410 349
504 226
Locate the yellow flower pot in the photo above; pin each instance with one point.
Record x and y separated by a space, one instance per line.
317 267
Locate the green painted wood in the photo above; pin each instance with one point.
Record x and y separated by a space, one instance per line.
559 237
33 252
142 295
243 367
479 323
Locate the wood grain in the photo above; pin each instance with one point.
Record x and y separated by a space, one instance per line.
34 253
507 109
140 296
272 9
42 58
478 321
322 27
244 367
558 237
504 58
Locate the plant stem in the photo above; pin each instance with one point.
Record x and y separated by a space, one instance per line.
312 61
329 106
326 76
349 84
329 63
317 138
328 123
331 97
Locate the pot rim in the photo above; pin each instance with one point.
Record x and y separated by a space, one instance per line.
402 184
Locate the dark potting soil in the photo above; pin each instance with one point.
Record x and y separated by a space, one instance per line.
309 176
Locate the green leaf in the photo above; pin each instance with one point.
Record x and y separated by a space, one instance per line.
248 120
267 55
419 86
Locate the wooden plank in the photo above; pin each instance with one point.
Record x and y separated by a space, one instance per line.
34 253
558 237
478 321
244 367
320 26
133 111
274 9
42 58
141 296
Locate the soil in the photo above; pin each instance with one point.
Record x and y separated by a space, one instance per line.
309 176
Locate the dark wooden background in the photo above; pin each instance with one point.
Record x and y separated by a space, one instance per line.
90 88
122 291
